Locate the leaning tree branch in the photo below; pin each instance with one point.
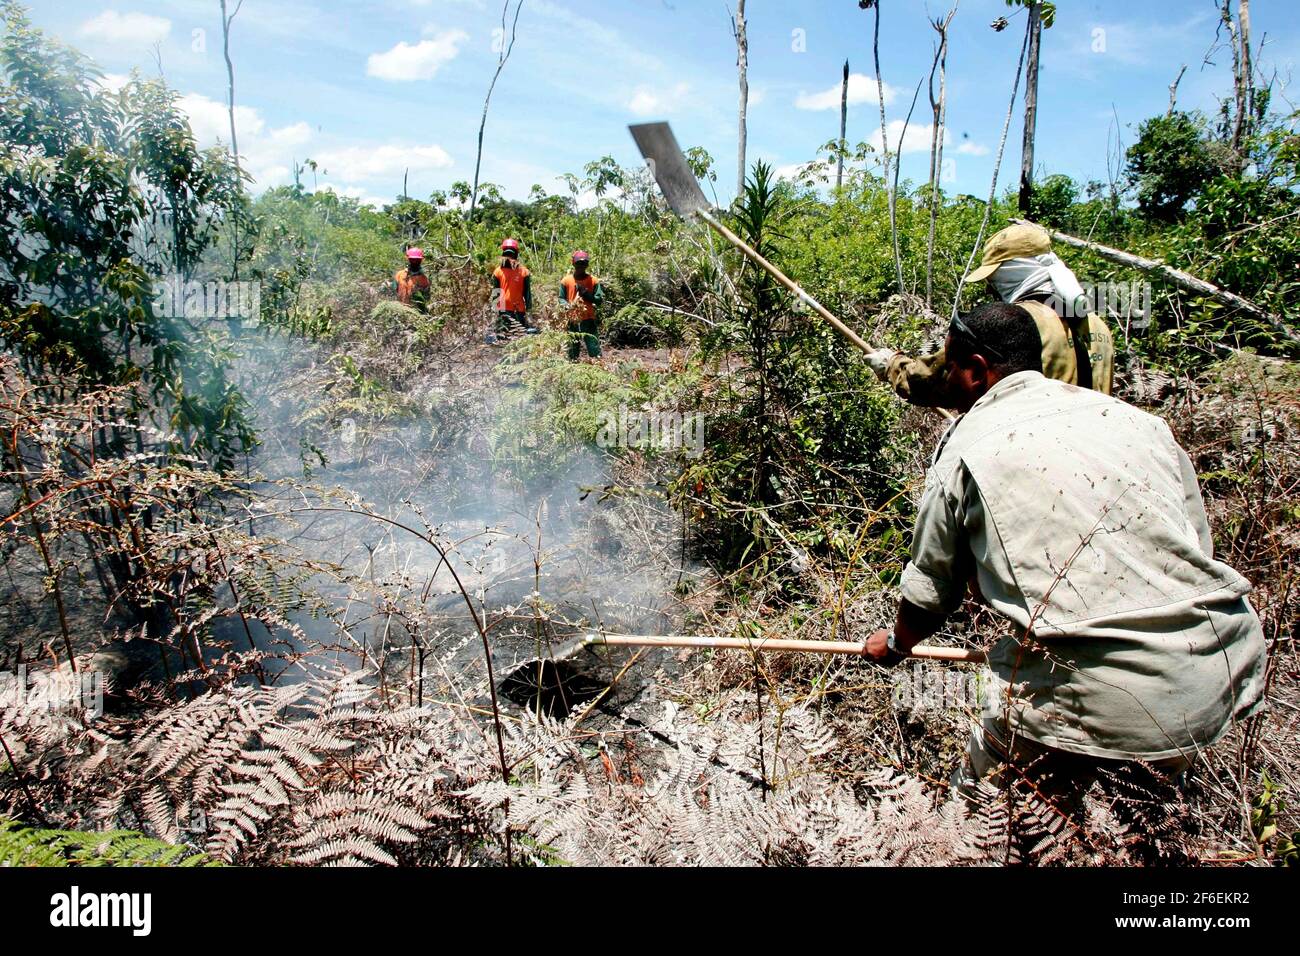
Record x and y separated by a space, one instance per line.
503 55
1183 280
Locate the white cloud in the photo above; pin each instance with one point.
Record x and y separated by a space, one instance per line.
263 151
971 148
416 61
122 28
757 95
374 162
917 139
269 176
649 101
862 89
793 172
210 120
356 192
112 82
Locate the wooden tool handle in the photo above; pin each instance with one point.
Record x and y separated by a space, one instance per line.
794 288
798 647
785 280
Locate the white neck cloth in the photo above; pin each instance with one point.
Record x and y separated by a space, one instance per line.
1017 278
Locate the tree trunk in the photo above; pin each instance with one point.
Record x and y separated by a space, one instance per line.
230 75
1247 62
1183 280
884 147
502 56
844 123
1244 84
1173 90
230 106
1035 28
742 68
939 111
993 186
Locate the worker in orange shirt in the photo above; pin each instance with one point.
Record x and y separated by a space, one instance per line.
582 293
412 284
513 293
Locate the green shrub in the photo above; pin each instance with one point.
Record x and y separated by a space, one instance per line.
28 846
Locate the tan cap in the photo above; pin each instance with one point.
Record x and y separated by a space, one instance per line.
1013 242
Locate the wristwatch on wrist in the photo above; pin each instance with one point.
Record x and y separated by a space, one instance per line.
896 653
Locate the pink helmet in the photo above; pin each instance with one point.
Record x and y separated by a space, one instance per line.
581 256
414 253
510 244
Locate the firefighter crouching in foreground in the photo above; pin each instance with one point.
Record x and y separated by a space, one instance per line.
1077 517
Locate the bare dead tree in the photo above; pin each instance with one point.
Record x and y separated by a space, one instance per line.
1244 80
1115 155
742 68
939 121
884 140
226 20
1034 32
503 55
898 166
1173 90
844 124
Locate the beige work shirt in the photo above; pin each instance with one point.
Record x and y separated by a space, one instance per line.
1081 521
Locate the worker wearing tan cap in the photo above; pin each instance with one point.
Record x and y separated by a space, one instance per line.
1021 269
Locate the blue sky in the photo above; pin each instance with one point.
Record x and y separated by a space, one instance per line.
370 88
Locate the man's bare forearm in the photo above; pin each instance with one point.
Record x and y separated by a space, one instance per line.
913 625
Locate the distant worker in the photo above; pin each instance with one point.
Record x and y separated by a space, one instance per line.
412 283
1021 269
514 294
583 294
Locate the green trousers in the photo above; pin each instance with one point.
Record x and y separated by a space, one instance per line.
581 333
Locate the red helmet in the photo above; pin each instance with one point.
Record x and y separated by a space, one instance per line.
581 256
414 253
512 244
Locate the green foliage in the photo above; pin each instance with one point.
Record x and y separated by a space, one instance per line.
639 327
103 194
1169 164
701 164
801 431
1046 12
1052 200
1265 809
541 429
27 846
